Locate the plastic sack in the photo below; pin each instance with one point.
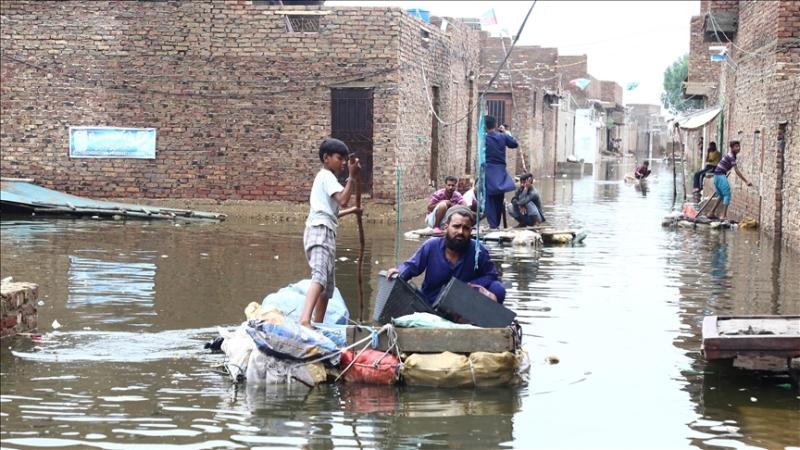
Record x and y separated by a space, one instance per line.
336 333
237 345
561 238
689 211
526 238
370 367
426 320
748 223
290 340
264 369
453 370
289 301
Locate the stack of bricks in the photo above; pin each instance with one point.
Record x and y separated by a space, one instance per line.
18 308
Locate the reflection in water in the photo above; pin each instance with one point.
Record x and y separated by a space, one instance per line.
111 291
622 313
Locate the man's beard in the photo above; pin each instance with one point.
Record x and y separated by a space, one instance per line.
456 245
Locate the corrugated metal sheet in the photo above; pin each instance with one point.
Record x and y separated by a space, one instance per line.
26 195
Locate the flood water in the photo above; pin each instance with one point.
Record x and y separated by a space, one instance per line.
622 313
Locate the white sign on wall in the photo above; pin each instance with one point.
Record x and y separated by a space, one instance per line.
112 142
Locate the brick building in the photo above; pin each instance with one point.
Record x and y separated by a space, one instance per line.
757 86
526 97
649 131
240 93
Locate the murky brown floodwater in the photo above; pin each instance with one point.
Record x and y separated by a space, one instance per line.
136 301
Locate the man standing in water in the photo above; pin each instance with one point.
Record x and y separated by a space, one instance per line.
498 182
721 184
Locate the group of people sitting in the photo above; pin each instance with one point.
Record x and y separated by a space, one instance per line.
525 206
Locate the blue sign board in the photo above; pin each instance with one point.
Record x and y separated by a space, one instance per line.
111 142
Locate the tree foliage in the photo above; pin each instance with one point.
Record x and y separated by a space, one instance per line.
672 97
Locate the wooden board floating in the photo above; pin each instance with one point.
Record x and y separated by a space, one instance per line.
438 340
726 337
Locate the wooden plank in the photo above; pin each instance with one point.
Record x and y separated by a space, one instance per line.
437 340
301 12
732 336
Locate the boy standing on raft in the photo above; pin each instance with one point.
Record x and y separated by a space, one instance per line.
319 238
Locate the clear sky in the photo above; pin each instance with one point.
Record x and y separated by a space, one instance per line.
626 41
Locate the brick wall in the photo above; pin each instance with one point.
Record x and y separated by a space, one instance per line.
701 68
718 5
240 104
611 91
534 71
449 60
18 304
759 94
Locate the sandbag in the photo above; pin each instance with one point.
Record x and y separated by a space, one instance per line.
271 314
370 367
264 369
561 238
748 223
526 238
238 347
290 340
289 301
454 370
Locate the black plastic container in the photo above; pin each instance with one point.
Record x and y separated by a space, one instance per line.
396 298
461 303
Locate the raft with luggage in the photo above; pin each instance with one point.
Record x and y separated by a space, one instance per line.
462 340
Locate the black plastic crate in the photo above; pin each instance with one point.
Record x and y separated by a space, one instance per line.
396 298
461 303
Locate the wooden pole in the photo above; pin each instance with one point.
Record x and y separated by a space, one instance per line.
360 265
674 174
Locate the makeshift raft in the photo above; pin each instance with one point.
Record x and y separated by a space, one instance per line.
422 350
23 195
770 343
530 236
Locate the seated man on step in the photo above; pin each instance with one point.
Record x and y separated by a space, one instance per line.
453 255
441 200
526 207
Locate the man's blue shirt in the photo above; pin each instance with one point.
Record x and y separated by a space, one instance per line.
497 179
430 258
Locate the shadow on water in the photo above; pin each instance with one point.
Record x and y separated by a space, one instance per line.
622 313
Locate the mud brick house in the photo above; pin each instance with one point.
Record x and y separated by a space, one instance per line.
525 96
241 93
756 83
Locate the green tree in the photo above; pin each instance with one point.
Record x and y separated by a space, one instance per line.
672 97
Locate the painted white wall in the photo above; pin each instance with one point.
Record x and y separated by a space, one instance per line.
585 136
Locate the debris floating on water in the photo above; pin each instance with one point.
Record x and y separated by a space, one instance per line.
56 325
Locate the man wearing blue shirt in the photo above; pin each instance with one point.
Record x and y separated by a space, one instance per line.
453 255
498 182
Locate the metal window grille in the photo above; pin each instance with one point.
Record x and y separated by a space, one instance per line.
302 24
497 108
